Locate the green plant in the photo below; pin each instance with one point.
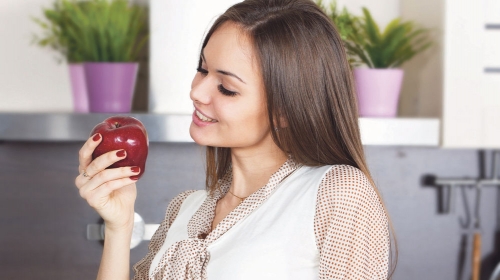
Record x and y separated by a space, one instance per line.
346 24
344 21
95 30
55 30
112 31
399 42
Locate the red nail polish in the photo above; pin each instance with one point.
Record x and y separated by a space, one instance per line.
135 178
96 137
135 169
120 153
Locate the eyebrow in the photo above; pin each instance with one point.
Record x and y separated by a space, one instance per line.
224 72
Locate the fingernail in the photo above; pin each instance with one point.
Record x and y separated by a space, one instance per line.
96 137
135 178
135 169
120 153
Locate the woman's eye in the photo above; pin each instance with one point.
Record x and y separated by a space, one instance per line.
225 91
202 71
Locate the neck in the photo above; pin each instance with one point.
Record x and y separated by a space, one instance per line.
252 169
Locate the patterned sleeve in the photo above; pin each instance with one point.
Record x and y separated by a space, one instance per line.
351 227
141 269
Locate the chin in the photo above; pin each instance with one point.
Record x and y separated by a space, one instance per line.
198 136
204 137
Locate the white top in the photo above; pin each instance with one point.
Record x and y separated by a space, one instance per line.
276 241
305 223
178 229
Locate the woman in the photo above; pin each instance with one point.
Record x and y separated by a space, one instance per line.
288 193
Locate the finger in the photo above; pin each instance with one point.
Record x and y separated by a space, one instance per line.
85 153
103 161
106 176
81 179
98 197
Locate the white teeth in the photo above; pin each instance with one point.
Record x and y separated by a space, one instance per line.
203 117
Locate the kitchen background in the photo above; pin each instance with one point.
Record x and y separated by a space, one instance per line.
43 219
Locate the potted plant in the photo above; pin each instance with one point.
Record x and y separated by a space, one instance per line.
57 37
378 86
107 36
110 35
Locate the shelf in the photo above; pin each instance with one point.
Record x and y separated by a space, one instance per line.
67 127
400 131
63 127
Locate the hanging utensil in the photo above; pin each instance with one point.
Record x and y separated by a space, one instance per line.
495 255
476 244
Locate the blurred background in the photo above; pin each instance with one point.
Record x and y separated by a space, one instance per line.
430 144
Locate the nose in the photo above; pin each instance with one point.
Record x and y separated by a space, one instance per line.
200 89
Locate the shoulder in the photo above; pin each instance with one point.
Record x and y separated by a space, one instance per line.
345 175
346 196
351 226
349 183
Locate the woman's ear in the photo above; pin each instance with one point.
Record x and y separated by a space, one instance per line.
282 122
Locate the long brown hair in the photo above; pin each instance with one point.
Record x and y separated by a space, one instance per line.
308 83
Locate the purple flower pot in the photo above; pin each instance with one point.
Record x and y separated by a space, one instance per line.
78 88
378 91
110 86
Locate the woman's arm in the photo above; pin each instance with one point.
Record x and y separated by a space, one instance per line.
112 193
115 262
351 227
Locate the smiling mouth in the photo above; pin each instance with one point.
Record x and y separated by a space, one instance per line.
203 117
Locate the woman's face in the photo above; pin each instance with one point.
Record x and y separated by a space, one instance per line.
228 94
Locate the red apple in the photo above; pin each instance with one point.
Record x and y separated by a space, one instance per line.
127 133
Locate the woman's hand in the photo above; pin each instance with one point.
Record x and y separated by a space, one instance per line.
111 192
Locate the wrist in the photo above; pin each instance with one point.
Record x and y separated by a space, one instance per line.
121 229
120 226
118 238
117 231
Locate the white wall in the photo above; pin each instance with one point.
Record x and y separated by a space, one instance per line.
383 11
30 77
177 29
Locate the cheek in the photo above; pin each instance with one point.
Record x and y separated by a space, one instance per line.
248 120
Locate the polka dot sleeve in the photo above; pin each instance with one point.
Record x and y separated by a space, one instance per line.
351 227
141 269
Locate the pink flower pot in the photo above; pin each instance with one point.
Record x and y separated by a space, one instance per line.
78 88
111 86
378 91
